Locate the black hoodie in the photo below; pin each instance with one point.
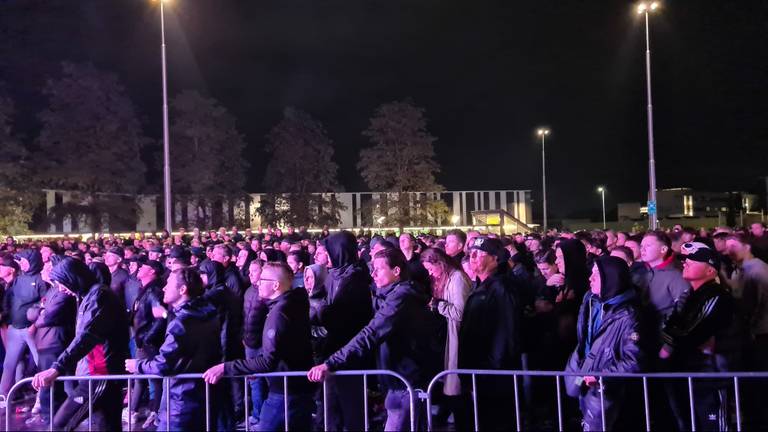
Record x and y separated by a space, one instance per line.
26 290
229 305
101 332
348 306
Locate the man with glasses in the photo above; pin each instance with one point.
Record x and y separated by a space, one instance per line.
285 346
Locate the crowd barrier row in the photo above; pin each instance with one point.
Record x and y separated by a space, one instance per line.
414 394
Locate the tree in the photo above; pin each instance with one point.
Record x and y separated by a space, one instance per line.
89 144
18 198
401 160
300 173
206 156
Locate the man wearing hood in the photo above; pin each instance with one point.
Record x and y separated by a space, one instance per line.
608 332
25 291
190 346
101 336
347 310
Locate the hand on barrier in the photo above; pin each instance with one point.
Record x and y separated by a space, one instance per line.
130 365
590 381
44 378
318 373
214 374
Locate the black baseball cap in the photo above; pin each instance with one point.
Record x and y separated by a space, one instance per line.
492 246
156 266
117 250
705 255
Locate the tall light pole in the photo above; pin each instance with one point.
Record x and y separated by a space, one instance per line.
602 193
646 8
166 143
542 133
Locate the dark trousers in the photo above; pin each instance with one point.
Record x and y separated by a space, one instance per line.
140 386
107 407
345 403
756 358
45 360
300 408
710 404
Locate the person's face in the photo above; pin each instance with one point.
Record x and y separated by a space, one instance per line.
46 252
546 269
756 229
694 270
687 237
294 264
621 255
5 272
635 247
268 283
321 256
481 262
534 245
737 250
242 256
610 239
651 249
309 280
720 245
595 284
154 256
145 272
621 239
453 245
254 274
132 267
383 275
434 270
111 259
219 256
171 293
63 289
255 245
560 260
311 248
406 245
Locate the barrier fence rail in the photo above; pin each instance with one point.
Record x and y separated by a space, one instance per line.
167 400
735 377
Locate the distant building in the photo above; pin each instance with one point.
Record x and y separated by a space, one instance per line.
689 203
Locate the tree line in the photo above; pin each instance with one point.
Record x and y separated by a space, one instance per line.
91 139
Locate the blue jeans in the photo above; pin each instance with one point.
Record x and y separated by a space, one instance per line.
259 387
17 341
300 408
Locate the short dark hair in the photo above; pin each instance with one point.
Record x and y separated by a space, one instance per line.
395 258
282 269
461 235
661 237
741 238
626 251
225 248
301 256
190 278
546 257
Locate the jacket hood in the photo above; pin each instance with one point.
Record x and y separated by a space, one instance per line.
214 271
198 308
35 260
342 249
101 272
576 272
275 255
74 275
614 277
320 272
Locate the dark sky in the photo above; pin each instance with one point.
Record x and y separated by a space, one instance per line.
487 73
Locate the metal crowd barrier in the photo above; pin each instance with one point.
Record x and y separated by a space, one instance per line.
246 401
734 376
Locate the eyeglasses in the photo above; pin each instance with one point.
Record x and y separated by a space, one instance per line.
266 280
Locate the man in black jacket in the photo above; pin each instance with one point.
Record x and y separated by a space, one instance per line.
489 333
400 333
690 337
114 261
346 311
101 335
285 347
254 313
190 346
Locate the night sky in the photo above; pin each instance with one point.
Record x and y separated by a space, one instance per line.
488 74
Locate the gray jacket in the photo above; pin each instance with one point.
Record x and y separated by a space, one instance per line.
751 287
664 291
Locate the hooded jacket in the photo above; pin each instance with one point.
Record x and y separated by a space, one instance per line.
402 335
55 322
148 331
101 332
609 333
348 306
254 313
190 346
26 290
285 344
316 301
229 305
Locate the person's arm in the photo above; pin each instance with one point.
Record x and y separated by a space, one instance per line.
166 362
714 315
93 333
631 355
59 310
269 356
156 329
458 289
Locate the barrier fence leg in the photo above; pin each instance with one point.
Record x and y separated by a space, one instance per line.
167 391
207 407
738 403
517 404
285 401
411 398
50 407
602 404
365 400
90 406
559 405
130 417
429 410
645 402
474 402
325 405
690 397
246 401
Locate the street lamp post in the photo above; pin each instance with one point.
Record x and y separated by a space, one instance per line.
645 9
602 194
542 133
166 142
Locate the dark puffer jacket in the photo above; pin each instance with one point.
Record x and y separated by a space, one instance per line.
26 290
254 313
229 303
190 346
101 333
55 322
401 333
148 331
608 332
348 306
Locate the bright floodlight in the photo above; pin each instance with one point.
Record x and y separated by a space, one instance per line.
541 132
600 189
654 5
646 7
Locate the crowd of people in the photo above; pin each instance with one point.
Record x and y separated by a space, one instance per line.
224 303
